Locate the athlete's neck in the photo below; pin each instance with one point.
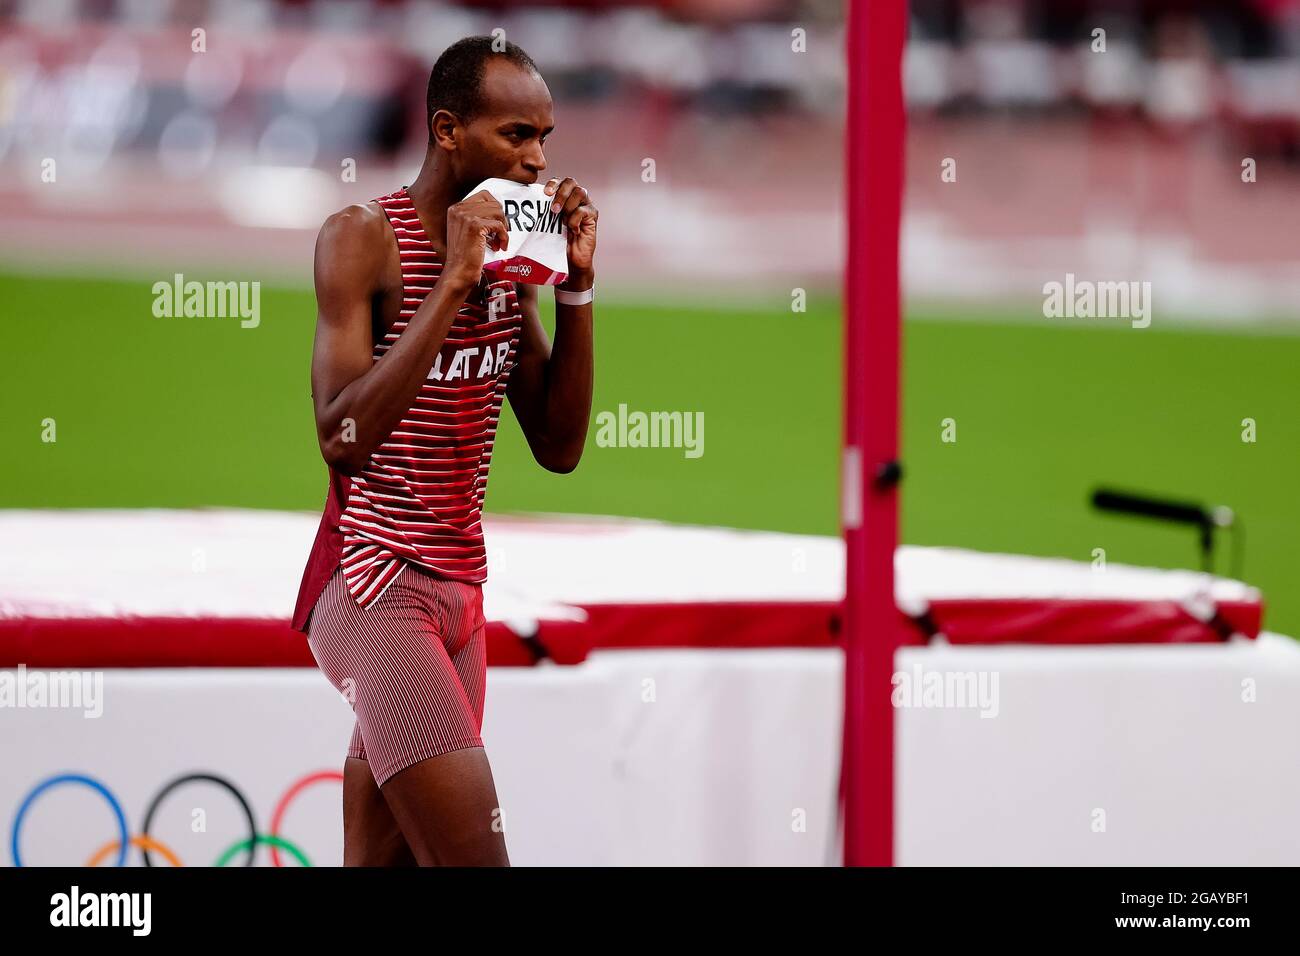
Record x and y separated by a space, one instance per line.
434 189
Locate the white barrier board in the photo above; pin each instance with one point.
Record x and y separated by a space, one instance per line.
1160 755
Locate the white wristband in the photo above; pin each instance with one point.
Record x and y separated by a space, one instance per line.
574 298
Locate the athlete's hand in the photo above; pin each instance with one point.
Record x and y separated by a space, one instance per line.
574 203
474 224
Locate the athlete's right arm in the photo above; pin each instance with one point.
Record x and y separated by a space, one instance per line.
359 401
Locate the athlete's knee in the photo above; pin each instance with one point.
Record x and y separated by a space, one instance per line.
447 807
470 847
371 835
473 836
392 851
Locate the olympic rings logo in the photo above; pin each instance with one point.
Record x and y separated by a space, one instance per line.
117 848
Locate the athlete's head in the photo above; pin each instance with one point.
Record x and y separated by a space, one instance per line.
489 111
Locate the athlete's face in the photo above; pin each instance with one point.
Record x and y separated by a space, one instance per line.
506 139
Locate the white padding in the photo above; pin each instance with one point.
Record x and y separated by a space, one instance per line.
1165 755
234 563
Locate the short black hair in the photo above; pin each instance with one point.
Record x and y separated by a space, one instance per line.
456 80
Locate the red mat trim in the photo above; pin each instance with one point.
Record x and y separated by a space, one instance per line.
260 642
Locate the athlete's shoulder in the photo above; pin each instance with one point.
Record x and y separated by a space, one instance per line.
358 222
356 241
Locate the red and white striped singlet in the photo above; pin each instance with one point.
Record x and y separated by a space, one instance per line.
419 498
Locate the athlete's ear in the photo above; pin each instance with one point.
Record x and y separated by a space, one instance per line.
442 126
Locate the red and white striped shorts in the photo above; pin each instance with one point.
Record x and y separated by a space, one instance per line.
413 664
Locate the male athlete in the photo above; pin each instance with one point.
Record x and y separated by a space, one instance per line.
415 350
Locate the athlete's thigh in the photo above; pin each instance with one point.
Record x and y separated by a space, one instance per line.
448 810
447 803
392 660
461 607
470 661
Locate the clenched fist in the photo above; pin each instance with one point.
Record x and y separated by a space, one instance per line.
574 205
474 225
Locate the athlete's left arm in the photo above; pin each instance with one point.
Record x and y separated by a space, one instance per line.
550 386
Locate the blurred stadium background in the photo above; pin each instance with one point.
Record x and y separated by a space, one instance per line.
223 166
1122 165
